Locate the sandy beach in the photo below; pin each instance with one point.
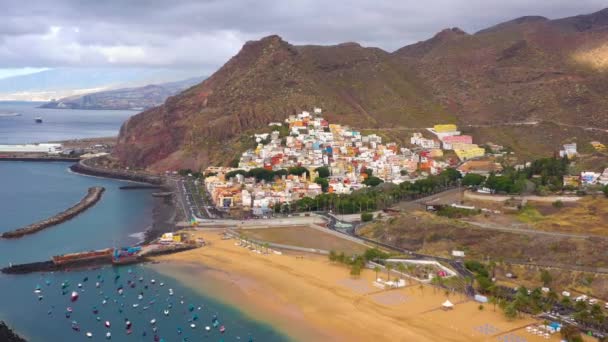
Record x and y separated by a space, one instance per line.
311 299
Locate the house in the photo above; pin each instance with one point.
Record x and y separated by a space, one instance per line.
480 167
569 150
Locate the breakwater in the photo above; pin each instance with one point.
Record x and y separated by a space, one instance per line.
93 196
87 263
85 168
8 335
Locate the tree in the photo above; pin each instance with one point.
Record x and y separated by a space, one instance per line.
480 307
366 217
355 269
372 181
377 270
389 267
298 171
605 190
571 333
401 268
472 179
323 171
546 278
510 310
323 183
558 204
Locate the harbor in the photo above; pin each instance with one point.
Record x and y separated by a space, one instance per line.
167 244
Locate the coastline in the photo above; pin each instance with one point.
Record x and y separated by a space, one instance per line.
164 212
9 335
309 298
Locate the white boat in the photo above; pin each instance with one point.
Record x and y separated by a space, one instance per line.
108 335
208 328
153 321
89 334
166 312
135 305
107 324
38 119
192 325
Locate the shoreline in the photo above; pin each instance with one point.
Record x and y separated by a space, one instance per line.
164 210
309 298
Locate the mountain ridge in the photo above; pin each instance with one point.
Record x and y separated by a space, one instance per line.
135 98
528 69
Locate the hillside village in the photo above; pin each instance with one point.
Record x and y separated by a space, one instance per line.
312 156
306 155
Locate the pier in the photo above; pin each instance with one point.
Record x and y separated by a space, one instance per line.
99 258
93 196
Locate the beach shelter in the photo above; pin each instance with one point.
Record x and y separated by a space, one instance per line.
447 305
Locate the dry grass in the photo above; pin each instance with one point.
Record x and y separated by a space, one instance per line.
305 237
589 216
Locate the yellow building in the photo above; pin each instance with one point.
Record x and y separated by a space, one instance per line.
473 152
598 146
445 128
435 153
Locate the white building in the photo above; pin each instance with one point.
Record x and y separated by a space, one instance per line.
32 148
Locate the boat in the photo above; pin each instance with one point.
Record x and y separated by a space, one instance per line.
74 296
192 325
69 309
135 305
207 328
107 324
75 326
108 335
89 334
38 119
222 329
166 312
153 321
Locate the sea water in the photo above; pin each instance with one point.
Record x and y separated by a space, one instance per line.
30 191
58 124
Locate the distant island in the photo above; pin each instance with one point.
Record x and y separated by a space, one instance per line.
138 98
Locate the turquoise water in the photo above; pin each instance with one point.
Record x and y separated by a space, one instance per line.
30 191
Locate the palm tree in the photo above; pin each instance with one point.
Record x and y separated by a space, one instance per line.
389 267
401 268
377 270
493 301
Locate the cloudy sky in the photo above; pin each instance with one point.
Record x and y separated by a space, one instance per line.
203 34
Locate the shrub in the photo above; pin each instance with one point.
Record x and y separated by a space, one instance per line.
558 204
366 217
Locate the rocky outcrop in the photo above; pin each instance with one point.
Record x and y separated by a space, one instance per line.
8 335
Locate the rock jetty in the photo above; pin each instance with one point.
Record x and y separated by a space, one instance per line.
93 196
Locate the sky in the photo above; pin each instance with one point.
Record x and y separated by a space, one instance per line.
203 34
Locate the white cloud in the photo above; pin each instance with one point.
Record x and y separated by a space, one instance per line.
204 34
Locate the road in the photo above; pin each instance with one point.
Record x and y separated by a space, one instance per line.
491 226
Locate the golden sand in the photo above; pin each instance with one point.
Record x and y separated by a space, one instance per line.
311 299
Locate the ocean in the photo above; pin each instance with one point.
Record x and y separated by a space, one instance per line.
58 124
30 191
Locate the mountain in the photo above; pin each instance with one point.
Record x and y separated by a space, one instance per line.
527 69
127 98
61 82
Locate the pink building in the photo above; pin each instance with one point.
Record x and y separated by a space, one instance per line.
456 139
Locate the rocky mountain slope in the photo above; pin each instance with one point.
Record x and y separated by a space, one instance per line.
528 69
127 98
